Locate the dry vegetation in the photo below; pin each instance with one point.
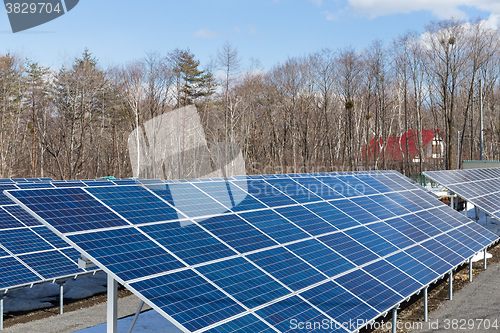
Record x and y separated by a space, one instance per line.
309 113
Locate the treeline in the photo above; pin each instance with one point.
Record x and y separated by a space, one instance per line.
310 113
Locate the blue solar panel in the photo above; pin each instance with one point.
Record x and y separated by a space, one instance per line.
26 218
369 290
14 273
333 215
417 270
188 199
443 252
231 196
355 211
69 209
237 233
34 185
407 229
50 237
430 260
248 323
135 203
307 220
189 299
349 248
320 189
287 268
127 252
207 253
244 281
294 190
51 264
3 253
188 241
321 257
274 225
20 241
394 278
285 313
3 199
371 240
7 221
340 304
70 184
478 186
341 187
391 235
267 194
403 201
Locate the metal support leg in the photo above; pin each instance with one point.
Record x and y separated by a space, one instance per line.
466 209
451 285
476 210
451 201
426 309
112 305
470 269
484 259
138 312
394 319
1 311
61 296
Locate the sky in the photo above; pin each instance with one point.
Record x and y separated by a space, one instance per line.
270 31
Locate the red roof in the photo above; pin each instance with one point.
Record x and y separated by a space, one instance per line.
396 147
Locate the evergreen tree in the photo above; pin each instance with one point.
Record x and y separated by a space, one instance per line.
193 82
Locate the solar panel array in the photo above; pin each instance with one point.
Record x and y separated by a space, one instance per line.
260 253
29 251
479 186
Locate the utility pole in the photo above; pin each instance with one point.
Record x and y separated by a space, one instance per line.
481 120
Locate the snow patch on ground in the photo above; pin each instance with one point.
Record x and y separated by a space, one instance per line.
40 295
149 321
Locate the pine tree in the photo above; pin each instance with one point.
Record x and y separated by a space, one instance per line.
193 83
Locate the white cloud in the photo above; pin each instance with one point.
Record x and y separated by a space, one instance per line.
440 8
205 33
493 21
317 2
335 16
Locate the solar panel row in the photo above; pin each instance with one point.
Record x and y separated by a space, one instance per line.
29 251
479 186
264 252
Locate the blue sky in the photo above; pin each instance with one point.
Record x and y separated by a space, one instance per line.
120 31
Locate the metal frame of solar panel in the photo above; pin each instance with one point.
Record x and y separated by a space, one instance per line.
481 187
30 253
252 253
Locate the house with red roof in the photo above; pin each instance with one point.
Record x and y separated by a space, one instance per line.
396 148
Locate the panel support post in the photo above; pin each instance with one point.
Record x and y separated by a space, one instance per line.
452 204
61 284
470 269
450 285
1 311
426 308
476 210
484 259
112 305
466 209
137 313
394 319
